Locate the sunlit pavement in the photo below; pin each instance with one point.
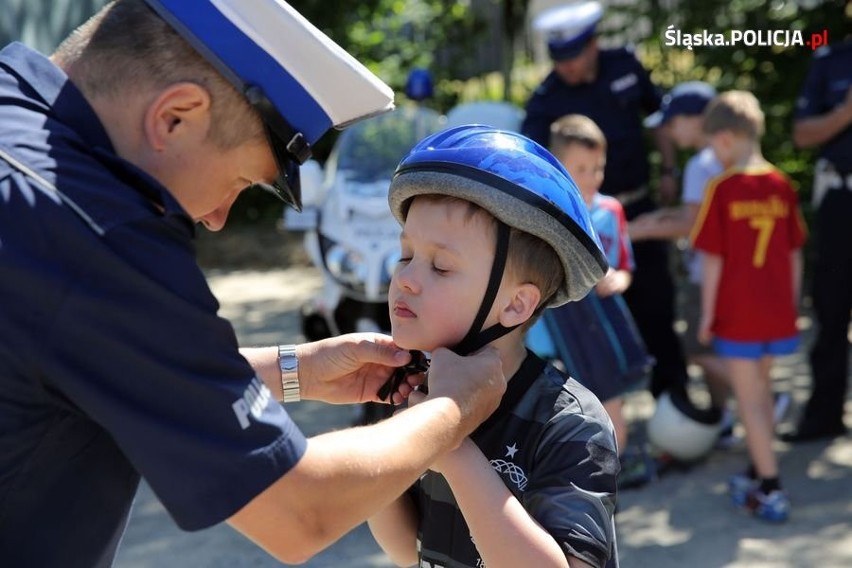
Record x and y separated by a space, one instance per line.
681 519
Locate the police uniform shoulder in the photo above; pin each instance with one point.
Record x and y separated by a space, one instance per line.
618 56
618 53
822 52
843 49
548 85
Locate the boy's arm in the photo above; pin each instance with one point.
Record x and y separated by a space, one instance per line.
796 275
711 273
395 530
615 282
504 533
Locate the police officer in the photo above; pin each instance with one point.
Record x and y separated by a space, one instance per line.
824 119
150 118
611 87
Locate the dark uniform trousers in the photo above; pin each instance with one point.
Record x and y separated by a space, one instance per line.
832 296
651 298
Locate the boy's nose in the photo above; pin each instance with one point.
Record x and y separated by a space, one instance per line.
406 279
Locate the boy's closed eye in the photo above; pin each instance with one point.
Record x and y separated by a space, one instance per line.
435 266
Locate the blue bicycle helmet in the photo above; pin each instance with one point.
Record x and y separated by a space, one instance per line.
523 186
419 85
518 182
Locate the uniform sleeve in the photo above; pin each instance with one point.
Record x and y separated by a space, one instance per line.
537 120
812 97
798 229
651 95
572 489
708 230
137 345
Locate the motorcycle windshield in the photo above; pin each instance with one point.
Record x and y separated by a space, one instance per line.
369 152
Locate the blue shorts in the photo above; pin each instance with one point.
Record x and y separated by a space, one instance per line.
755 349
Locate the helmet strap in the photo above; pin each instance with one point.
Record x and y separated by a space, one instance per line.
476 338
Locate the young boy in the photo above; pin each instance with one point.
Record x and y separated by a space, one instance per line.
681 114
580 146
750 232
493 232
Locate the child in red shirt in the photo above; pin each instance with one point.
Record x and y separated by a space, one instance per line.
751 233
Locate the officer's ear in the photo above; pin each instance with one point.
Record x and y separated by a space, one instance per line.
177 116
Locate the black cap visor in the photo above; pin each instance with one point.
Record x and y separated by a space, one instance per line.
288 146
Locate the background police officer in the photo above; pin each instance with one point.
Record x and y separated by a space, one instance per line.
824 119
612 88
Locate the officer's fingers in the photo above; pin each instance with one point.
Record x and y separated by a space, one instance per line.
377 348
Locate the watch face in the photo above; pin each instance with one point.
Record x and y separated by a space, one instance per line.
288 364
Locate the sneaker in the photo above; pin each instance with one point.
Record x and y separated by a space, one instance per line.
740 488
637 469
774 507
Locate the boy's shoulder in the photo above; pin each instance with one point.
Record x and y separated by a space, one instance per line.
733 178
572 397
607 203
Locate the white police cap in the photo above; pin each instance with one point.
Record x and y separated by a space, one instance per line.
299 80
687 98
568 28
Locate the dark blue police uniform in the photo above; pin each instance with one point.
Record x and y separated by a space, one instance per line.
826 87
616 100
113 362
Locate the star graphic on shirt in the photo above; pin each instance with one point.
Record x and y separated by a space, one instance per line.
511 450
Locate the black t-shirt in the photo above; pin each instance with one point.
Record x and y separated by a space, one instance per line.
553 445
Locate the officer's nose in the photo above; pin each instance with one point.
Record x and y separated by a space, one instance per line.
216 219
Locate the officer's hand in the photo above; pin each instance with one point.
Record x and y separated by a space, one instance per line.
640 227
475 383
349 368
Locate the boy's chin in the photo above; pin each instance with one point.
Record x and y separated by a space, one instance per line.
409 344
405 341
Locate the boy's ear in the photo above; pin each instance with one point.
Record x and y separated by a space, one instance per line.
521 305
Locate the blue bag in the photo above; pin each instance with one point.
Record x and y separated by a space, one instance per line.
598 343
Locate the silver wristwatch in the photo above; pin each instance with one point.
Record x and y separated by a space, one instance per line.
289 366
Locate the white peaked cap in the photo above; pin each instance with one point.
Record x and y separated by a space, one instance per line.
313 82
299 81
568 27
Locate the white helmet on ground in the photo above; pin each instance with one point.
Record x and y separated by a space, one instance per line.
680 429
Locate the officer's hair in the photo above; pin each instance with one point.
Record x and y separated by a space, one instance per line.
576 129
127 47
735 111
529 259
